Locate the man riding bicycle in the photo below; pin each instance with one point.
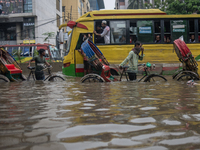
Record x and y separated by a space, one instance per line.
40 63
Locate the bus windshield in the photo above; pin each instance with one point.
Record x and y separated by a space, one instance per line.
69 42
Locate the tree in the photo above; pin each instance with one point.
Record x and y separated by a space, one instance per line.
48 36
135 4
157 4
183 6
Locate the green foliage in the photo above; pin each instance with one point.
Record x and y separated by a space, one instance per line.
157 5
170 6
135 4
48 36
183 6
18 52
35 53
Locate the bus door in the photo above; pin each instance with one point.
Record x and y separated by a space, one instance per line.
79 58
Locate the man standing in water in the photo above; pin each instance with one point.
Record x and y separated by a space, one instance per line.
132 58
40 63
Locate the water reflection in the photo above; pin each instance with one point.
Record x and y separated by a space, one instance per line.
105 116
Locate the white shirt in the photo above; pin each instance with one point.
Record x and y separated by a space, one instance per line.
106 34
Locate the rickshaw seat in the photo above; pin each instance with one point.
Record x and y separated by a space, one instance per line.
13 69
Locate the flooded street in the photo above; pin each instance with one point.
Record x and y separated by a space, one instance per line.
124 115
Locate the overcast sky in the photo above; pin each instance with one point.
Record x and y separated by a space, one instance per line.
109 4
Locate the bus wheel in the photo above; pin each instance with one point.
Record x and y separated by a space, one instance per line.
92 78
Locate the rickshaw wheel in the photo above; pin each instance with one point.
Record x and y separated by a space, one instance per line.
4 78
177 73
187 77
92 78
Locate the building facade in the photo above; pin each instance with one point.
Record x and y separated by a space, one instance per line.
25 21
134 4
96 4
72 10
121 4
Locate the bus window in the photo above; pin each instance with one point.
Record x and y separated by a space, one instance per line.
199 30
179 28
118 32
133 31
82 38
99 29
69 42
99 39
191 31
145 31
167 32
80 41
157 32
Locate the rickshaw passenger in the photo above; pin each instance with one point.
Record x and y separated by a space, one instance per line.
87 66
40 61
132 58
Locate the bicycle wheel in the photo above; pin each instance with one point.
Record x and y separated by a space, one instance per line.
56 79
92 78
187 77
154 78
4 79
177 73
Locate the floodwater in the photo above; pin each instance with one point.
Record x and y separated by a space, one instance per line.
124 115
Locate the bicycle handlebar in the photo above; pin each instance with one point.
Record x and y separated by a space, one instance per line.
31 68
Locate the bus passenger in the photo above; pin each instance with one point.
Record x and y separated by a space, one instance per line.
106 32
87 66
122 39
167 39
192 39
132 58
90 37
99 39
157 39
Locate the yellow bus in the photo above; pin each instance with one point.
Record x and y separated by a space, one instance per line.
154 28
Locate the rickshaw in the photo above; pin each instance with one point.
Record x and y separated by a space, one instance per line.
189 69
9 68
100 66
101 71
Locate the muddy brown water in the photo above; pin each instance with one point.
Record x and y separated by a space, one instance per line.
105 116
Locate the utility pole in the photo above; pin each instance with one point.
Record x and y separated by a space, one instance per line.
71 13
63 10
63 50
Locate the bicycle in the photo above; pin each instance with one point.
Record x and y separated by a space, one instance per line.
50 77
146 73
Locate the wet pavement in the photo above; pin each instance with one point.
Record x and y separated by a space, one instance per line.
124 115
